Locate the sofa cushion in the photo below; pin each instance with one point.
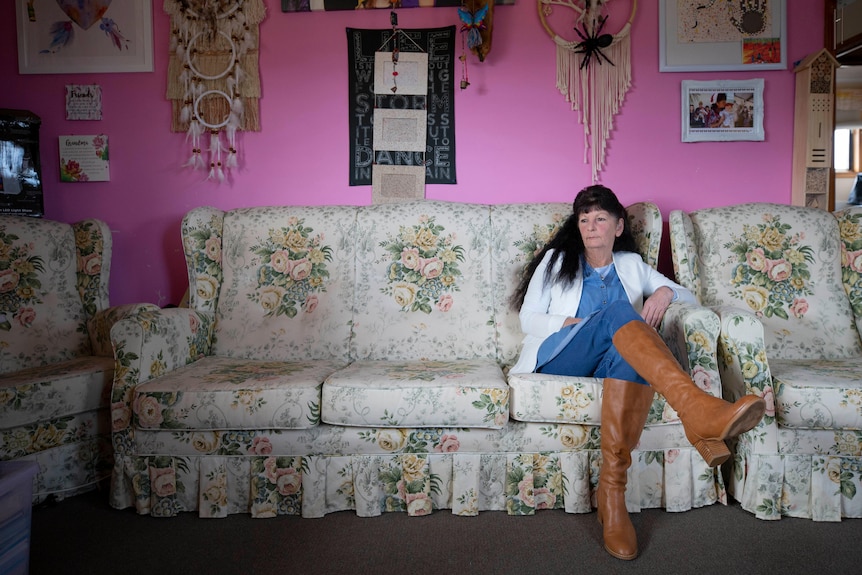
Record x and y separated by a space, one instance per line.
423 282
227 393
41 394
288 282
818 394
42 318
424 393
548 398
781 263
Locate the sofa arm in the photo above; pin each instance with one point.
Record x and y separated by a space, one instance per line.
742 358
99 326
691 332
148 345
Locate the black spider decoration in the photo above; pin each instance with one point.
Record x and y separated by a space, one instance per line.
592 45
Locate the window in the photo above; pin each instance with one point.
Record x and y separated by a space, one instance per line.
847 150
842 149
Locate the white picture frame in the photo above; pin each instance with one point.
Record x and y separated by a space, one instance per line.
724 56
742 121
400 130
412 78
92 50
393 184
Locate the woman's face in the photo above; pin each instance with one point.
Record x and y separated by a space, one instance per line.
599 229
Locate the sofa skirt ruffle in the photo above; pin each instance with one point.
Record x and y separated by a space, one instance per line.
676 479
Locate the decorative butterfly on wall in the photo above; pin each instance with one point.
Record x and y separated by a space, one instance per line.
476 24
84 14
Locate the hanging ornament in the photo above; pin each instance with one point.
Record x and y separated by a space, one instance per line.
213 77
476 22
594 72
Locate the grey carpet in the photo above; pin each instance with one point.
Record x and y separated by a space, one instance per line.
84 535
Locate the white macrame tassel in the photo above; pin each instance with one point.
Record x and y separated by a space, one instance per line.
596 91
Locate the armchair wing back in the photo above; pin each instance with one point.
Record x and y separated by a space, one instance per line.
53 279
785 281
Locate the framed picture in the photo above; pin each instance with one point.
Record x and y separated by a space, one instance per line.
84 36
697 36
411 78
400 130
722 110
390 184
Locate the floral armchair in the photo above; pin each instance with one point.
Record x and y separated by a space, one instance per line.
785 281
56 361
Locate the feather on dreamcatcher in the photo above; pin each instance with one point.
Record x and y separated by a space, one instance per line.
593 72
83 14
213 77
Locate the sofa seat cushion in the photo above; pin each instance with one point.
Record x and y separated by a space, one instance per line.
818 394
548 398
229 393
41 394
462 393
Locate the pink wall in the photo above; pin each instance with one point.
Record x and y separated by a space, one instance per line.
517 139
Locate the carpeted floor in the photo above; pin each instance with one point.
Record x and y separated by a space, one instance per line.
84 535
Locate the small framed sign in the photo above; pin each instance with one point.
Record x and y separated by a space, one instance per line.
83 102
84 159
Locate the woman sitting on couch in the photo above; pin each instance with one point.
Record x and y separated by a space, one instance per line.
590 306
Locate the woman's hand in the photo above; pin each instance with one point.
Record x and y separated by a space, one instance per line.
571 320
655 306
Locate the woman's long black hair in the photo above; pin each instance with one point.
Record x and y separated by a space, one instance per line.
569 245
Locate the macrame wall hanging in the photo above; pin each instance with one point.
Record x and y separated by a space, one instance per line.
593 71
213 77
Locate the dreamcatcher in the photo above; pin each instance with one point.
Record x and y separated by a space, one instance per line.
213 77
84 14
593 72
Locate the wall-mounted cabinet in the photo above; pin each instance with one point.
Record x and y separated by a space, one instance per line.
845 31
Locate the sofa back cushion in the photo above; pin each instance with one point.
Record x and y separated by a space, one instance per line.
42 318
519 231
850 228
287 284
782 263
423 282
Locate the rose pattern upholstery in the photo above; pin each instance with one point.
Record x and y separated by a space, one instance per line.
785 282
56 364
388 392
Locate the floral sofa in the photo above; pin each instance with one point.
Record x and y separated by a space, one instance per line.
787 284
343 357
56 363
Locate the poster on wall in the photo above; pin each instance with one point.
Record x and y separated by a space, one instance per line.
84 159
84 36
438 157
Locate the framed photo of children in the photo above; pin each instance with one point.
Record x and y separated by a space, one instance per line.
722 110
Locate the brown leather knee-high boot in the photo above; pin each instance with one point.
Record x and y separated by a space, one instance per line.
625 406
707 420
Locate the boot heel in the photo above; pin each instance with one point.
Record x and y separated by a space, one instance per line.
713 451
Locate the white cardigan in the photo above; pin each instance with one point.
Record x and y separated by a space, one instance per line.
545 308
